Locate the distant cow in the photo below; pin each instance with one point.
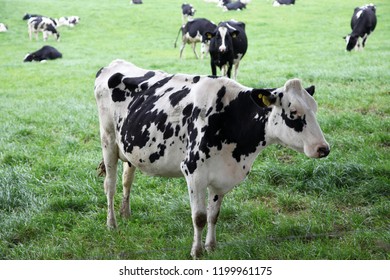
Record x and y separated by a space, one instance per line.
43 24
283 2
3 27
228 46
136 1
363 22
188 12
193 32
44 53
207 129
234 6
70 21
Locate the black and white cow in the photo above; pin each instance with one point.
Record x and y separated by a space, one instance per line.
277 3
193 32
70 21
136 1
208 129
43 54
234 6
363 22
228 45
188 11
43 24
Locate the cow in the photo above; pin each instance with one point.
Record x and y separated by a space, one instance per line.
234 6
208 129
70 21
363 23
136 2
193 32
3 27
43 54
43 24
228 45
277 3
188 12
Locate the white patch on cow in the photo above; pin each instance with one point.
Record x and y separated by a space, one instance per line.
223 31
358 14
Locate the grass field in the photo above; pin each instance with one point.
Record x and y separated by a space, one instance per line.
52 204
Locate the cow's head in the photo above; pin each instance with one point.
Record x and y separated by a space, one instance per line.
293 121
352 42
223 37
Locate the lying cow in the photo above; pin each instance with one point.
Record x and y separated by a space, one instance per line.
277 3
193 32
42 24
363 22
207 129
70 21
43 54
28 16
234 6
228 46
188 11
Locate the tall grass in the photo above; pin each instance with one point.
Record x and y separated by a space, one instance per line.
52 204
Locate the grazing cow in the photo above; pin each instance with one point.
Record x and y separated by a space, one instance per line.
283 2
136 2
193 32
43 54
363 22
208 129
43 24
3 27
235 6
228 46
188 12
68 21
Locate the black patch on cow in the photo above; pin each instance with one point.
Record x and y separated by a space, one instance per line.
177 96
297 124
142 113
227 127
215 198
196 79
118 95
220 95
155 156
115 80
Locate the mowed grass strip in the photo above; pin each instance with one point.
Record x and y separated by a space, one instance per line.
52 204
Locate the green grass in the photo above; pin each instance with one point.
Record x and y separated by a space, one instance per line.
52 204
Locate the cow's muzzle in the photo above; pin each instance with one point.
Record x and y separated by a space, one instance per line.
323 151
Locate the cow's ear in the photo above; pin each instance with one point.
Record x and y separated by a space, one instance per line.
234 33
311 90
209 35
263 97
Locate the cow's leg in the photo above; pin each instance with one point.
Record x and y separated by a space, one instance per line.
229 70
193 45
197 193
214 206
236 70
110 156
213 68
127 180
183 45
364 40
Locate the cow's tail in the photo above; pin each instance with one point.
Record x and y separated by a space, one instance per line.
180 29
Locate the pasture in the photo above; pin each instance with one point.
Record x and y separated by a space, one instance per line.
52 203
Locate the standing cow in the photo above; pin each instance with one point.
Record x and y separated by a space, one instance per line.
207 129
42 24
228 46
193 32
277 3
363 22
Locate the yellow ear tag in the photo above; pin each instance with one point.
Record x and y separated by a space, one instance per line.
209 36
264 99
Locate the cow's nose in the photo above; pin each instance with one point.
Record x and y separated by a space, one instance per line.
222 49
323 151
